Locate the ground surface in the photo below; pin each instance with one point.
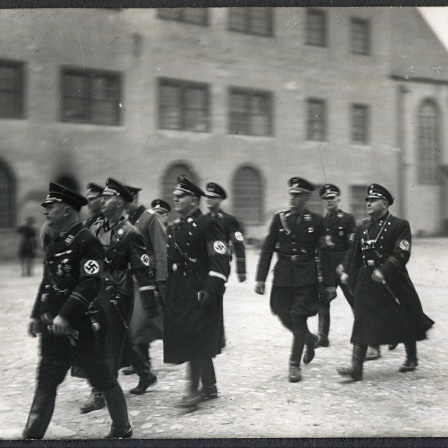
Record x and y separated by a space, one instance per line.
256 399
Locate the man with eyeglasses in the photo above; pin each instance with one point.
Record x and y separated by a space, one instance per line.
387 308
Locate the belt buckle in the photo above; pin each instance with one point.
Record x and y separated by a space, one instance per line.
175 267
294 257
370 262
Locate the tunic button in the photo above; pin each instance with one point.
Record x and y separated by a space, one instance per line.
185 274
189 233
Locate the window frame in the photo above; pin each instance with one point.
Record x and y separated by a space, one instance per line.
19 90
250 95
323 30
366 47
366 124
324 119
91 75
183 85
249 20
180 16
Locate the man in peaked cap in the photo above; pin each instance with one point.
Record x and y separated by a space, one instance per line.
198 268
142 329
125 254
387 308
296 235
94 193
340 233
72 279
162 208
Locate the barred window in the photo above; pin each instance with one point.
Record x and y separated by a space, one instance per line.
184 105
7 197
360 36
428 142
317 120
90 96
11 89
247 193
250 112
358 202
197 16
316 28
251 20
169 179
360 124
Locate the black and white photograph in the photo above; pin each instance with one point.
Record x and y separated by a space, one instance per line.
223 223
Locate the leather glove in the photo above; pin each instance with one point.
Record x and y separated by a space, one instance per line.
207 300
260 288
241 278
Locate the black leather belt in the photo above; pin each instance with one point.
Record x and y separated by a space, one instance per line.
293 257
53 298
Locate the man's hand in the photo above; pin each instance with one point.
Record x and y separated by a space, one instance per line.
241 278
378 276
59 326
340 270
34 328
331 293
344 278
259 288
207 300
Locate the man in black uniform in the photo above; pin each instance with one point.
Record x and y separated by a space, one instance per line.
72 279
387 307
162 208
340 233
296 235
198 268
142 329
125 253
94 192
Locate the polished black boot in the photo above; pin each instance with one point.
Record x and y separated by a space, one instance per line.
116 405
209 390
411 362
323 327
94 402
144 382
310 343
355 370
40 413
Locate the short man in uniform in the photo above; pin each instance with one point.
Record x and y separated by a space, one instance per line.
387 307
198 268
162 208
125 255
340 232
296 236
72 279
93 195
143 330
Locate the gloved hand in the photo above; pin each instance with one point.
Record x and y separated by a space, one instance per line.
339 269
241 278
331 293
33 328
207 300
259 288
344 278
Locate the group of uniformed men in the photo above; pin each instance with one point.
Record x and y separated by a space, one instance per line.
181 270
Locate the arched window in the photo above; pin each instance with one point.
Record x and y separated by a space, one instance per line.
247 193
7 197
169 180
428 142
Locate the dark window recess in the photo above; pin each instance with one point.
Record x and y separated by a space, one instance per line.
250 112
197 16
89 96
11 89
247 194
7 197
317 120
360 124
184 105
316 28
358 202
251 20
360 36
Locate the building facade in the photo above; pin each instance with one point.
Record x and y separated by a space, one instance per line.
246 97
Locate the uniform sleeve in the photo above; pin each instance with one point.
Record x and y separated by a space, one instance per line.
351 230
158 239
91 260
237 238
326 261
139 261
267 249
35 312
219 258
353 259
401 252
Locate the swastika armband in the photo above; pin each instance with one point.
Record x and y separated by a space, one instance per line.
220 247
91 268
145 259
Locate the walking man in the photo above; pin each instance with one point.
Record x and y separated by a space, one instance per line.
296 235
125 255
72 278
198 268
387 307
142 329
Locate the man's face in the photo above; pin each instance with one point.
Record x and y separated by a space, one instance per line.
184 203
94 205
297 200
55 214
109 205
131 206
375 206
212 202
331 204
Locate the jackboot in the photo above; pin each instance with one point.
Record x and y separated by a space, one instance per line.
94 402
144 382
411 362
40 413
294 374
323 328
116 405
310 343
355 370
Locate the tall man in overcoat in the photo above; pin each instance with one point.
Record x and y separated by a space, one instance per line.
73 268
297 236
198 268
387 307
